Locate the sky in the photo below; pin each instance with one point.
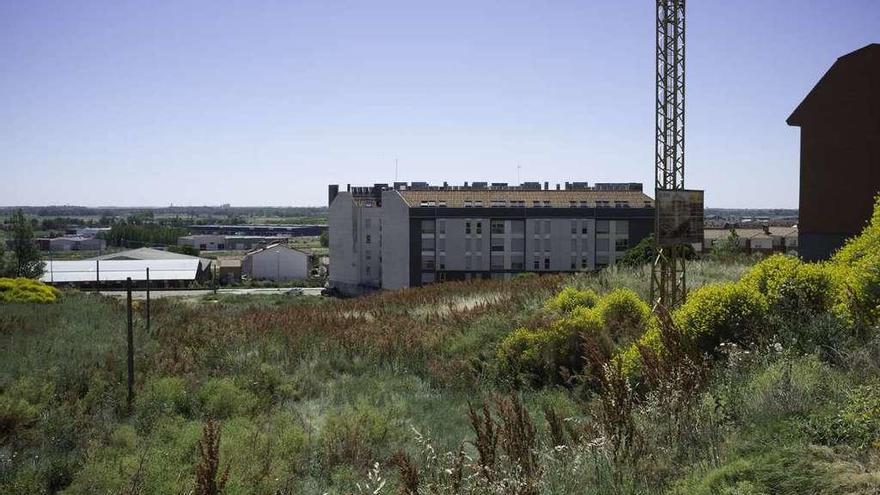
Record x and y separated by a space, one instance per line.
266 103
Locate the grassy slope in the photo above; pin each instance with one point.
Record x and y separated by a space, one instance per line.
311 393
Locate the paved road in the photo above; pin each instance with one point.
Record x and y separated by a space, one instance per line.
156 294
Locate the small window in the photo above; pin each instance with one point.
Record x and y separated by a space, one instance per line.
478 204
574 228
537 264
368 254
536 204
584 264
428 226
584 228
621 244
479 227
602 226
585 204
572 204
468 204
368 271
442 204
441 226
368 238
467 227
497 226
546 263
546 204
498 203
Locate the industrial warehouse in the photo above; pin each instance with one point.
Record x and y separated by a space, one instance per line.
408 235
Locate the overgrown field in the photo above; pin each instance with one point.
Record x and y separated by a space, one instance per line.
767 381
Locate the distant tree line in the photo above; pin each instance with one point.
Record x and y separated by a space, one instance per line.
134 235
23 258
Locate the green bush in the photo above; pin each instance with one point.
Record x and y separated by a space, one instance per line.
26 290
616 318
624 315
570 298
720 313
855 422
161 397
791 287
354 435
221 398
857 267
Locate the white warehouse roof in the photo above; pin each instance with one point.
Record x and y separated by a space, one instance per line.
119 270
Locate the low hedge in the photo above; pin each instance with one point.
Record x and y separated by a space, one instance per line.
26 290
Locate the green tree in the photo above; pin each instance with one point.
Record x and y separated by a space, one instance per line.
28 262
325 238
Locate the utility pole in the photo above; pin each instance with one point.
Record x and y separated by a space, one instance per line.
668 278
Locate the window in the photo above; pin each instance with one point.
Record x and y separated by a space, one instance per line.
468 204
497 244
221 246
428 244
497 226
574 227
203 246
441 244
584 264
498 203
467 227
536 204
621 204
574 245
478 203
368 255
602 226
368 270
547 244
546 263
423 203
442 204
497 263
517 245
573 264
441 226
621 244
602 245
428 262
517 262
467 262
368 223
585 204
584 228
467 244
517 226
572 204
427 226
537 264
478 244
546 204
546 227
479 228
368 238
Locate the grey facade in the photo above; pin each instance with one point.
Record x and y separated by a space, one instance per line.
412 235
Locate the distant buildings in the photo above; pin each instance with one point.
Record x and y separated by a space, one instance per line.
276 262
840 152
74 243
409 235
212 242
764 240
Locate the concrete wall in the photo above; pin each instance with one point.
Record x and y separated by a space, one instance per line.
277 263
395 241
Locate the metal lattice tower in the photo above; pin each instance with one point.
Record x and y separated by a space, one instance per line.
668 279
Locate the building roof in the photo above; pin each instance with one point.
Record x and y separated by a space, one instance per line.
146 253
119 270
850 85
273 246
557 198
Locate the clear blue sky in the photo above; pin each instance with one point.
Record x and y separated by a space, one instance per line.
265 103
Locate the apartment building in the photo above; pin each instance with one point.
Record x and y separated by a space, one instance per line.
411 234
